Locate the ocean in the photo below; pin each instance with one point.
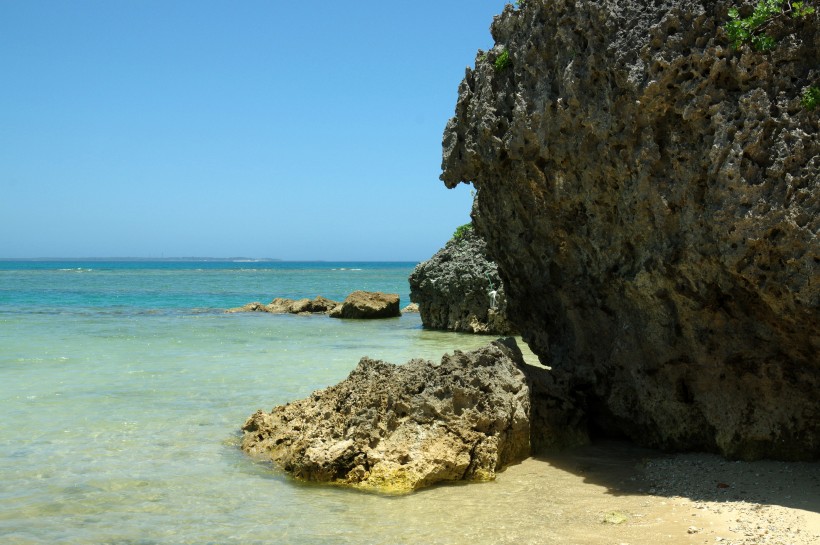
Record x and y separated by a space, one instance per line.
123 387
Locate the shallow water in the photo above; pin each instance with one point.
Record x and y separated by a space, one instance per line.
123 388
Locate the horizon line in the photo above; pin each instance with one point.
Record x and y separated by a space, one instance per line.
203 258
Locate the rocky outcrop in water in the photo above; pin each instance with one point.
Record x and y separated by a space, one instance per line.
458 289
368 304
650 196
357 305
282 305
397 428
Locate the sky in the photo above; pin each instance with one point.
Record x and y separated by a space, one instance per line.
286 130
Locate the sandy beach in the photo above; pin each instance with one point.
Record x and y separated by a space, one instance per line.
616 493
629 495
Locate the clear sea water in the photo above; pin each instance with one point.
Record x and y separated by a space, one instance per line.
123 386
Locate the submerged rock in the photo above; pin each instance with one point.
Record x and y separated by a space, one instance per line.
282 305
458 289
250 307
368 304
651 197
397 428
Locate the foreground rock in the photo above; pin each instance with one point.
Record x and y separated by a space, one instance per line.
652 199
397 428
368 304
458 289
282 305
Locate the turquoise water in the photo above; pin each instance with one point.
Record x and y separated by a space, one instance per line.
123 387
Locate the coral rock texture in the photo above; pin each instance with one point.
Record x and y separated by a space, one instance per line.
453 289
397 428
650 195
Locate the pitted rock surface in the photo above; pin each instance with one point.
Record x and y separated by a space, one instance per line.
650 196
397 428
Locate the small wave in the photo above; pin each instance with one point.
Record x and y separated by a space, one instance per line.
78 269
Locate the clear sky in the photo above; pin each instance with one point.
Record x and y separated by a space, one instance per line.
291 130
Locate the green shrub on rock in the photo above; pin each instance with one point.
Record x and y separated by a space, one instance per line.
462 230
751 29
502 61
811 97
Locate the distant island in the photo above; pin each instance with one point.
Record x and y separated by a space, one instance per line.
149 259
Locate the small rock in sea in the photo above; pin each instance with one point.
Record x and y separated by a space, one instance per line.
368 304
282 305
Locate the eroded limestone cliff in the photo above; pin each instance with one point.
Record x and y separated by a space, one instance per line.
650 196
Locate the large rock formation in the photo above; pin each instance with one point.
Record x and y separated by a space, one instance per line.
650 195
458 289
396 428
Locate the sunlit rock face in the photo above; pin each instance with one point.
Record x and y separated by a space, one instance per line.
650 196
397 428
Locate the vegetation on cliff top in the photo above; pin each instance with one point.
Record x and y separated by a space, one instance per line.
462 230
752 28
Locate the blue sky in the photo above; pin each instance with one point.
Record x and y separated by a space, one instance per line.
291 130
